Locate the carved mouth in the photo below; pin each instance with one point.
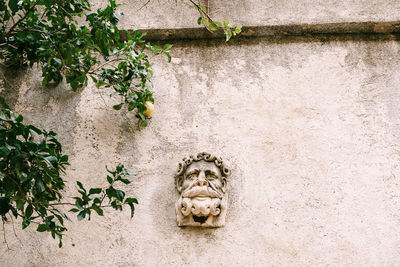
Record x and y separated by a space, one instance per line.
201 197
200 219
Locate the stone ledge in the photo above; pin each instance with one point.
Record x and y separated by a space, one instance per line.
279 31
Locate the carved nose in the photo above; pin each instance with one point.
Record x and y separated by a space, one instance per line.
201 181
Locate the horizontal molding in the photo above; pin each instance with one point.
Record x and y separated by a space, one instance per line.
279 31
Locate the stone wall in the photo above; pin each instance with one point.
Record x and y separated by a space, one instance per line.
309 126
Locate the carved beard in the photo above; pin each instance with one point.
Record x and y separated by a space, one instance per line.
200 206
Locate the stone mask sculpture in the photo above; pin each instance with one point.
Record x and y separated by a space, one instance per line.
202 182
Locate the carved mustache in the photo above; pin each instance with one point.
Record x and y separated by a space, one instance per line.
205 191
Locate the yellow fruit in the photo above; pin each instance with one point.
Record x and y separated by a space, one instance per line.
149 108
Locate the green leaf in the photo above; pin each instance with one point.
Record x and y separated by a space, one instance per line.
28 211
36 130
80 185
238 29
21 204
3 103
4 205
41 228
4 152
45 81
119 194
119 168
199 20
109 179
40 186
125 181
13 5
81 215
118 107
228 35
10 147
212 27
94 191
132 209
52 160
60 219
19 118
79 203
25 223
100 83
98 210
168 56
56 63
167 47
64 215
131 200
144 123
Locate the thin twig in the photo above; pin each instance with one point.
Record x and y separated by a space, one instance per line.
4 234
29 30
19 189
205 13
101 96
106 63
148 1
12 223
43 14
53 204
12 17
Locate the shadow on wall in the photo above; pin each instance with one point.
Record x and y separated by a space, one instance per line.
11 80
50 107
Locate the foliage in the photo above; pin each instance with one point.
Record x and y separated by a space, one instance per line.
31 165
69 40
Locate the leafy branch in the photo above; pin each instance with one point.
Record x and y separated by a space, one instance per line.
31 165
48 33
92 200
213 25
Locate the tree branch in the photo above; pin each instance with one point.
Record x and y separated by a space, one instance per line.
19 189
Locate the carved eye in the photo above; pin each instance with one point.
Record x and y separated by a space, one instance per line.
192 176
211 176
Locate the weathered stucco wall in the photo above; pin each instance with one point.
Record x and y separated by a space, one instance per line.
146 14
310 129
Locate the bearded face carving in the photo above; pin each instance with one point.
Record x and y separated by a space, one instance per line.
201 182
